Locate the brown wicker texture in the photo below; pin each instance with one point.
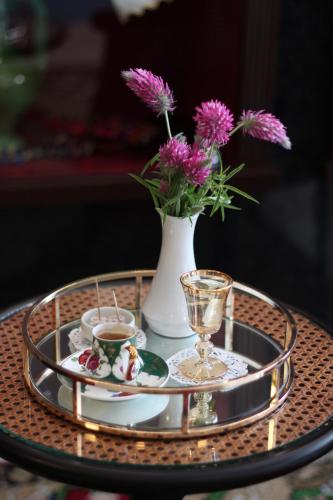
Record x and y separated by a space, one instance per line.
309 405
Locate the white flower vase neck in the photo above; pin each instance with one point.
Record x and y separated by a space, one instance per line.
165 307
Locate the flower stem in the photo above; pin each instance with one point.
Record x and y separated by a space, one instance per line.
238 126
167 124
210 154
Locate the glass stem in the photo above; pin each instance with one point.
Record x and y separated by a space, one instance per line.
204 347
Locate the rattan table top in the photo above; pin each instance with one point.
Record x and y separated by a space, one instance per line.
308 406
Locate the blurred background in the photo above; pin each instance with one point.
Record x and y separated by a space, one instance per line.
70 132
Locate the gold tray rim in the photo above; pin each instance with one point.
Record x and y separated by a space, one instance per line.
279 391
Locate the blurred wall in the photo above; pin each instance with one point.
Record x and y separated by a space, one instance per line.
274 55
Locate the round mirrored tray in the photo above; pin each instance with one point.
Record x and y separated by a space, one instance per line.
256 348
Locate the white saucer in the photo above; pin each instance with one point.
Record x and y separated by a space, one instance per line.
236 366
126 413
147 377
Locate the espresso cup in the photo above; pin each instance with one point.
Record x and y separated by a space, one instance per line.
105 314
114 352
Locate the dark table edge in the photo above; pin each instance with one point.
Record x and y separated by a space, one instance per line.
187 479
115 477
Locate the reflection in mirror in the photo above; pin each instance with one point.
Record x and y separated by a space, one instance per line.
203 412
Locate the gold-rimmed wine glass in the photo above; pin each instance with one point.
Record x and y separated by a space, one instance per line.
206 292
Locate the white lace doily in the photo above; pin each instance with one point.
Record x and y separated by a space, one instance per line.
78 341
236 367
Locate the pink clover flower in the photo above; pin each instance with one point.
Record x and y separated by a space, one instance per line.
174 153
195 167
214 123
151 89
264 126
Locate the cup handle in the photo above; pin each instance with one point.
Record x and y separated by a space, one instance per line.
128 364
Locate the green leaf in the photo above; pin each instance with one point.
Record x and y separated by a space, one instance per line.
140 180
234 171
178 207
173 200
150 163
155 199
152 187
233 207
222 213
217 151
217 203
241 193
153 182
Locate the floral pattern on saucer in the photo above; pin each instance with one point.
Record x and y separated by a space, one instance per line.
155 373
236 366
95 362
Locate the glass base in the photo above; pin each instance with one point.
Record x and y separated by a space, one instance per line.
194 369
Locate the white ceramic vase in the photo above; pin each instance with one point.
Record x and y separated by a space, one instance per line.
165 307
